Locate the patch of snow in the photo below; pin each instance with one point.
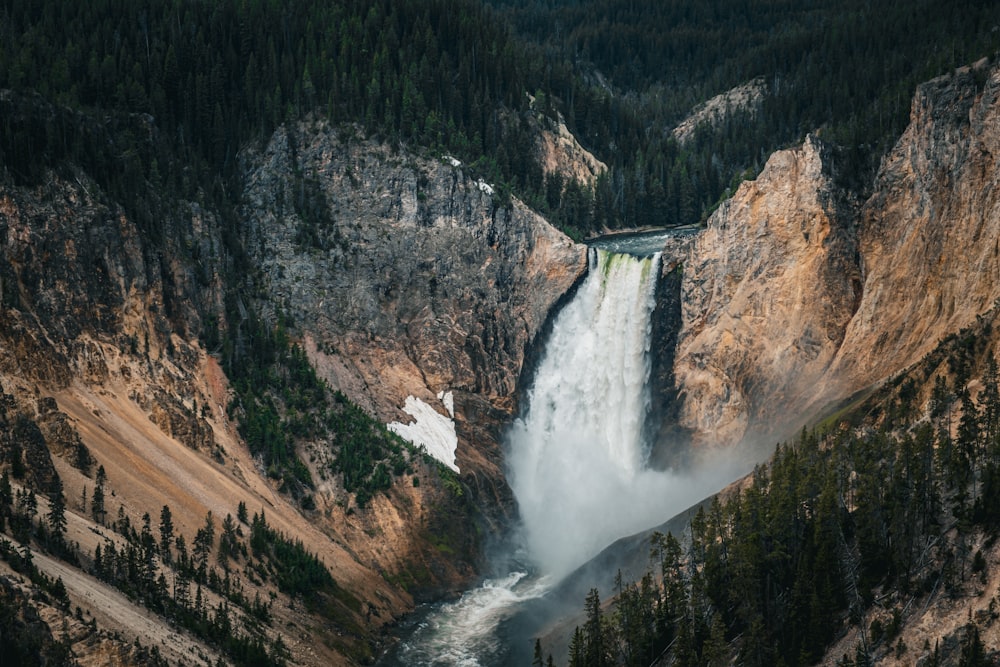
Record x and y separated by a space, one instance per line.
430 430
449 401
452 161
485 187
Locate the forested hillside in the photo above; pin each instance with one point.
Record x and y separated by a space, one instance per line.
215 75
848 68
452 77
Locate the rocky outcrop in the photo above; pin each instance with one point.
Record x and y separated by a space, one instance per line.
746 97
561 153
407 275
929 236
768 288
794 298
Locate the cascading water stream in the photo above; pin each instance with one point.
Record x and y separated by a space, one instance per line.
576 460
578 451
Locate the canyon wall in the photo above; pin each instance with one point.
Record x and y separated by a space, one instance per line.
929 236
795 297
399 275
407 277
768 288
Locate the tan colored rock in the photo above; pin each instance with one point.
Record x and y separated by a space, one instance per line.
560 152
793 302
929 236
767 290
745 97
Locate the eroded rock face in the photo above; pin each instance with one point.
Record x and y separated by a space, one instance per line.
408 276
742 98
87 299
768 289
929 236
561 153
795 299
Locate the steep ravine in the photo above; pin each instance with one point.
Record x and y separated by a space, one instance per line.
929 237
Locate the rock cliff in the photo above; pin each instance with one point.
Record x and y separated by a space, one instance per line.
408 276
796 297
929 236
746 97
768 288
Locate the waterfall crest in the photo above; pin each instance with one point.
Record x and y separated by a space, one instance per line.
576 458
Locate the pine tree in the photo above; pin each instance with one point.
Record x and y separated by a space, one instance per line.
166 533
227 541
241 512
715 651
97 510
973 651
537 660
593 631
57 513
6 494
577 649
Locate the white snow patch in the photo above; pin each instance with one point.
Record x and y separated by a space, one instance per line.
430 430
485 187
455 162
449 401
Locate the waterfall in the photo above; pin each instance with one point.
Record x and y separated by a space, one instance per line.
576 462
576 459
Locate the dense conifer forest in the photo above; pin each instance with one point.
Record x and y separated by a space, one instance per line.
192 82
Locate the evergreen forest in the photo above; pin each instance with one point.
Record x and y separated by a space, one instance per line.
185 84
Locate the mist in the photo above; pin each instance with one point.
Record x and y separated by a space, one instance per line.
576 459
577 464
578 507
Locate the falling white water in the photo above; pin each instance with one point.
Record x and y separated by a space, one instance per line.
577 459
460 633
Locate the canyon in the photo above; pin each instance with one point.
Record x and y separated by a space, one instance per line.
407 275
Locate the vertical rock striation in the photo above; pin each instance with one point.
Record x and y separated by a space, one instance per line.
407 276
929 236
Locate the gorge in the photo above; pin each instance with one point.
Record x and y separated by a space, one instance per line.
301 350
578 458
